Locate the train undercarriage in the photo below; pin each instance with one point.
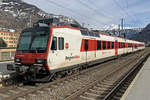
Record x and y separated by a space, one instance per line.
38 73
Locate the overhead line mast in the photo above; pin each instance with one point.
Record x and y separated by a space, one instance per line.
122 29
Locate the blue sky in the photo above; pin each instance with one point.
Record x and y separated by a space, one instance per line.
99 13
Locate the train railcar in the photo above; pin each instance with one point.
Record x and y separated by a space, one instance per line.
56 49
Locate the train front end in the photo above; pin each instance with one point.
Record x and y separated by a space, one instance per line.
32 52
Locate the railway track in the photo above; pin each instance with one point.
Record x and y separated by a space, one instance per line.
80 86
113 86
118 90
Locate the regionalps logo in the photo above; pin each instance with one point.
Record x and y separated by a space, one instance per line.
72 57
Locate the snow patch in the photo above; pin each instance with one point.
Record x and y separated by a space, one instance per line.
4 3
110 27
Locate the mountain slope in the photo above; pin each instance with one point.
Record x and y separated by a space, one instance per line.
16 14
145 34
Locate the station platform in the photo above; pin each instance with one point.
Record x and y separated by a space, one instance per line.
140 87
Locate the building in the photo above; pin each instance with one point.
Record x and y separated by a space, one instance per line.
10 38
7 54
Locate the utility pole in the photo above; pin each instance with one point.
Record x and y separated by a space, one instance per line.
83 24
119 29
122 22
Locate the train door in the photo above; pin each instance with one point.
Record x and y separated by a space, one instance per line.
56 52
125 46
53 51
132 47
95 44
116 48
95 47
92 48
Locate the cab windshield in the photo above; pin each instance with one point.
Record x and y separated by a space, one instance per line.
33 41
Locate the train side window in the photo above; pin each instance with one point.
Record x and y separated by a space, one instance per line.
98 44
129 45
108 44
54 43
123 45
86 45
119 45
61 43
112 45
116 44
91 34
104 44
97 35
136 45
84 32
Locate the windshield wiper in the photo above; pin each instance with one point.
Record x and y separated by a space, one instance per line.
37 50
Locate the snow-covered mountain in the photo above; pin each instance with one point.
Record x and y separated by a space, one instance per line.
130 32
109 27
144 35
17 14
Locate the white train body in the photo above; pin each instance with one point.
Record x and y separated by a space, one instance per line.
56 49
74 53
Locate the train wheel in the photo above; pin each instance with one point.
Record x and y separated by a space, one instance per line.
8 82
77 70
57 76
69 72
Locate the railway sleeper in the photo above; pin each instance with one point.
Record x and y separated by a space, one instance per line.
116 98
91 94
95 91
119 94
4 95
13 91
101 88
85 98
106 84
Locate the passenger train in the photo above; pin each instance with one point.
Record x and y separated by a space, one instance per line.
48 51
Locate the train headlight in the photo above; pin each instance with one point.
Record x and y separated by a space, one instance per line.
41 61
17 60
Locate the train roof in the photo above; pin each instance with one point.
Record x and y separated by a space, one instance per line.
89 33
56 22
100 33
35 28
